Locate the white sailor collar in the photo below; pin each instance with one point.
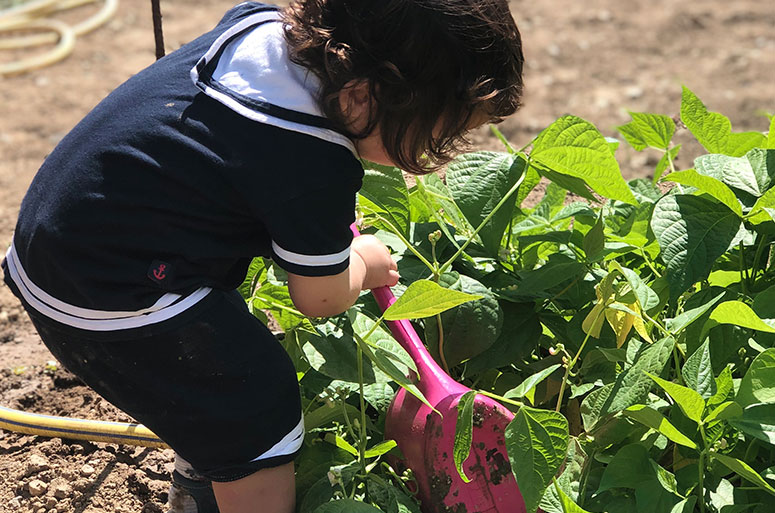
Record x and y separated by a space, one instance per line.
247 69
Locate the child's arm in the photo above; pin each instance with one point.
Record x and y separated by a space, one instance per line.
370 266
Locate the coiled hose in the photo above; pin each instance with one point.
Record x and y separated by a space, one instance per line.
31 16
78 429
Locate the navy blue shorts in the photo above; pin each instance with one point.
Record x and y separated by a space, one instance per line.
220 390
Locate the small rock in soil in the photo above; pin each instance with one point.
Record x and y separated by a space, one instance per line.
36 463
36 487
62 491
87 470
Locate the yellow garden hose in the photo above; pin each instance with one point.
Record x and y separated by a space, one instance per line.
31 16
78 429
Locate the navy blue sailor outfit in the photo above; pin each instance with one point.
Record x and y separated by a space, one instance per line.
213 155
157 201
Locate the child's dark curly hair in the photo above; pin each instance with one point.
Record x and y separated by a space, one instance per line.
434 67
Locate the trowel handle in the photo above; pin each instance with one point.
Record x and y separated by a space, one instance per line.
407 337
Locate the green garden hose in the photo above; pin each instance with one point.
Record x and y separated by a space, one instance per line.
78 429
31 16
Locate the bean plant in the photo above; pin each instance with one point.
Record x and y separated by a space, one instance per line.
640 312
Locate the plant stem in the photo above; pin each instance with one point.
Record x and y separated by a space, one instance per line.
670 161
705 452
441 343
497 133
655 322
650 264
362 439
758 255
485 220
677 362
347 420
572 363
749 449
408 244
701 486
743 278
397 479
500 398
279 306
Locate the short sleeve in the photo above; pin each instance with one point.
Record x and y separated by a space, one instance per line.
311 233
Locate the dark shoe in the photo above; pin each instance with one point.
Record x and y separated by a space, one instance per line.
190 496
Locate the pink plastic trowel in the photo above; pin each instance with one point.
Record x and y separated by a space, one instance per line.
427 441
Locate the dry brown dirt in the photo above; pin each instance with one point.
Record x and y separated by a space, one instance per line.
595 59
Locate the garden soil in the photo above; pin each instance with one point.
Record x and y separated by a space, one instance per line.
596 59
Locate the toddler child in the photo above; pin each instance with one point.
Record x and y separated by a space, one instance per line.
141 224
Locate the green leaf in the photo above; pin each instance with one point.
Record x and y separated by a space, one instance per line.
537 443
692 233
631 386
656 421
569 479
628 469
698 371
346 506
758 384
737 313
334 354
685 506
277 300
478 182
574 147
425 298
691 403
752 173
724 388
683 321
771 135
556 271
714 130
382 360
384 194
708 185
654 130
594 240
724 411
441 200
762 210
757 420
575 185
471 328
526 386
381 448
742 469
647 298
341 443
382 493
568 506
325 414
464 432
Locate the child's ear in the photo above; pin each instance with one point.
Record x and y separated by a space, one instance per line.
355 103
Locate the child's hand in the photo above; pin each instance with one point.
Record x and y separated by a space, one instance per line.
380 268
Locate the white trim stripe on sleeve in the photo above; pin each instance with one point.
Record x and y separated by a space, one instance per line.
311 260
288 445
168 306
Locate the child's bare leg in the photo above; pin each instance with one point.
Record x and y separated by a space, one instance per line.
270 490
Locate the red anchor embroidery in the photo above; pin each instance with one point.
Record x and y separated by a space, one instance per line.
159 273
